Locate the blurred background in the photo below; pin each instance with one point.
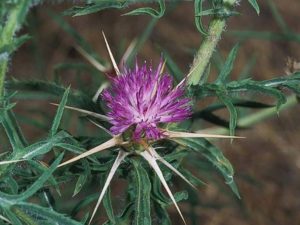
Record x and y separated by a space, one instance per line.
267 163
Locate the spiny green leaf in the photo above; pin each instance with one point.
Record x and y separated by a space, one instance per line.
12 217
272 87
26 219
198 21
212 118
142 215
103 167
45 214
93 8
9 200
13 45
79 184
12 183
83 177
150 11
213 155
208 113
71 147
232 111
59 113
82 205
38 184
228 65
192 178
108 206
42 147
254 5
162 214
125 217
42 169
12 129
236 102
157 194
253 86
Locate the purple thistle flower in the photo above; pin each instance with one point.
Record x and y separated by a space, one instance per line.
142 99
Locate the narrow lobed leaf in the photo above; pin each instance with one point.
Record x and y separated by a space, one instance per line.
59 113
232 111
142 214
228 65
149 11
198 21
213 155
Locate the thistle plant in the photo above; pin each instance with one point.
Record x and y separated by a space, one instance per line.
147 119
139 101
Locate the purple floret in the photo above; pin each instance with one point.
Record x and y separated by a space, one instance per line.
142 99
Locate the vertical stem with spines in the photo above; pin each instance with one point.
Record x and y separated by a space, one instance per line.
15 17
207 47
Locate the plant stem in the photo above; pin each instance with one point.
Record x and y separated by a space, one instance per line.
257 117
15 18
204 54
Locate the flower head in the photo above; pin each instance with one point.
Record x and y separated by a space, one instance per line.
143 98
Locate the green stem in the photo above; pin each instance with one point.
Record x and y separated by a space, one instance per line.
208 45
257 117
3 68
15 18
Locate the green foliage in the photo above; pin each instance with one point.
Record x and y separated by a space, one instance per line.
108 207
27 182
96 6
16 208
213 155
226 90
45 215
59 113
198 22
149 11
228 66
219 10
142 215
12 16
